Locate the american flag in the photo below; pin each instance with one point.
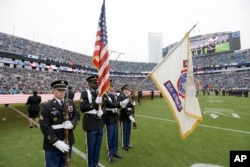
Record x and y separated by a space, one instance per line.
101 54
22 98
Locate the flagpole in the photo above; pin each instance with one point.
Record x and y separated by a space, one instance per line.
66 131
173 49
132 98
140 85
193 27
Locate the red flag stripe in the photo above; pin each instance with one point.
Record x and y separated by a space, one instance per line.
22 98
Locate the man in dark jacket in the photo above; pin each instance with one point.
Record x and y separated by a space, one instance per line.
53 125
139 97
70 94
34 108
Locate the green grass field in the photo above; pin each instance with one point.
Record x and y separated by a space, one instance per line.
156 142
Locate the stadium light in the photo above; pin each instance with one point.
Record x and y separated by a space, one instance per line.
119 53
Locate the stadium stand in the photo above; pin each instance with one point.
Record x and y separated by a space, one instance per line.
26 65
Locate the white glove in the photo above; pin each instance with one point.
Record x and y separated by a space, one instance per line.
61 146
68 125
124 103
99 113
133 103
114 110
98 100
132 119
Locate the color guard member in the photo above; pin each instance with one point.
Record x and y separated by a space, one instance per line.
90 105
126 116
52 124
111 118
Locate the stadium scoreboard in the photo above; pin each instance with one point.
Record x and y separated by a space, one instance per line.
211 44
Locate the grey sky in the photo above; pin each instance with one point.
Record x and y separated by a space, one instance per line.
72 24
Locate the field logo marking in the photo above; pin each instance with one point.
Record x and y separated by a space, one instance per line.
216 112
204 165
214 101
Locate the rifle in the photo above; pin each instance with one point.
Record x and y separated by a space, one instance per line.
132 97
66 131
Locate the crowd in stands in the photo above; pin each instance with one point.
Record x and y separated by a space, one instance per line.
22 46
22 80
226 80
242 56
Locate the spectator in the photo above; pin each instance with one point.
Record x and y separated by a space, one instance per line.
70 94
152 94
34 108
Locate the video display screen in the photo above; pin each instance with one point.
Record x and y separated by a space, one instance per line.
209 44
212 45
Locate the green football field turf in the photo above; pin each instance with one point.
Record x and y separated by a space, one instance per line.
156 142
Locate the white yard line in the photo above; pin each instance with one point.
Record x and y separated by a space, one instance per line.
206 126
